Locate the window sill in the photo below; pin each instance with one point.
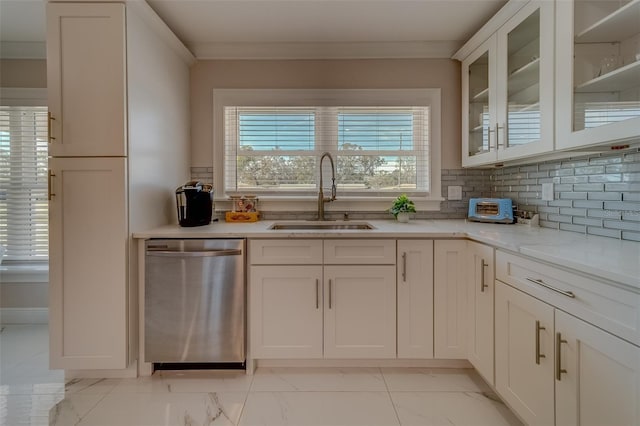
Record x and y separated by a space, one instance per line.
24 273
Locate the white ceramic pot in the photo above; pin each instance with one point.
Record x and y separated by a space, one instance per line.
402 217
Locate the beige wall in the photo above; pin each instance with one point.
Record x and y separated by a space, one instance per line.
323 74
31 73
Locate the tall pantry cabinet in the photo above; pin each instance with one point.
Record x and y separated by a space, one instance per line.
118 147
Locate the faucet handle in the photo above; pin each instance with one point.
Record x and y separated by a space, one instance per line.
333 188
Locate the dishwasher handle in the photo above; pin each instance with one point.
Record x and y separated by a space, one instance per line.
200 253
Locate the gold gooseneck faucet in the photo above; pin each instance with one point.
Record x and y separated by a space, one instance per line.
321 198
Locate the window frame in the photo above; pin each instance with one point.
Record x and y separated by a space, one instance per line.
330 98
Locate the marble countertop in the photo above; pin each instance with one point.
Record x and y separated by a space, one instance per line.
607 258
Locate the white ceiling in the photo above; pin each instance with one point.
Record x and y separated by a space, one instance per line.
292 28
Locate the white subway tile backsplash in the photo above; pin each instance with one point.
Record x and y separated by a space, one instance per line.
611 233
631 236
605 196
574 228
631 177
597 194
589 191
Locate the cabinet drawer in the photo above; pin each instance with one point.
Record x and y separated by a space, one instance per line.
285 252
596 301
360 252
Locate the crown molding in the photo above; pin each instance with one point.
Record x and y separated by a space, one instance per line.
332 50
23 50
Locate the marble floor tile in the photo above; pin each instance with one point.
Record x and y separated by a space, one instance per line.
152 384
166 409
26 409
72 408
451 409
90 386
206 381
318 379
318 409
24 358
433 379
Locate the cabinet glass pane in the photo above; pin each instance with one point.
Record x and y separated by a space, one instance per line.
479 105
523 82
606 67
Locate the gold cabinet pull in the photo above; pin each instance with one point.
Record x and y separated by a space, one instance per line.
50 194
559 369
483 284
538 354
49 120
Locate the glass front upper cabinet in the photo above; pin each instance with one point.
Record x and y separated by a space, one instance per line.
508 90
523 82
479 117
598 72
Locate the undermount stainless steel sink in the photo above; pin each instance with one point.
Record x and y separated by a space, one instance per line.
321 226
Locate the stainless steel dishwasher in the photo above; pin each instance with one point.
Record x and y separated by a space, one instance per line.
194 301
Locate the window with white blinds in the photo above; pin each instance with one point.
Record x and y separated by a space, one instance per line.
23 183
275 149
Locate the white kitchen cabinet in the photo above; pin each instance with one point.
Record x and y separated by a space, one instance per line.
104 91
88 286
507 90
597 72
322 309
415 298
481 289
450 299
597 376
360 311
86 79
524 356
286 311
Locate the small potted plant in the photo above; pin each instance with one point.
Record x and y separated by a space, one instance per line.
401 208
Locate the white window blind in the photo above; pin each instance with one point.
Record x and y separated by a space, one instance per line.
378 150
23 182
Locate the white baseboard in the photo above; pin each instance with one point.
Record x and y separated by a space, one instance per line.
131 372
24 316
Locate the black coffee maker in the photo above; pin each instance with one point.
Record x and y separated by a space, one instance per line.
194 200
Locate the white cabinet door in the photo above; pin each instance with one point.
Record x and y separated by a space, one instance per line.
88 239
450 299
415 298
285 311
86 69
360 311
524 354
480 301
597 376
